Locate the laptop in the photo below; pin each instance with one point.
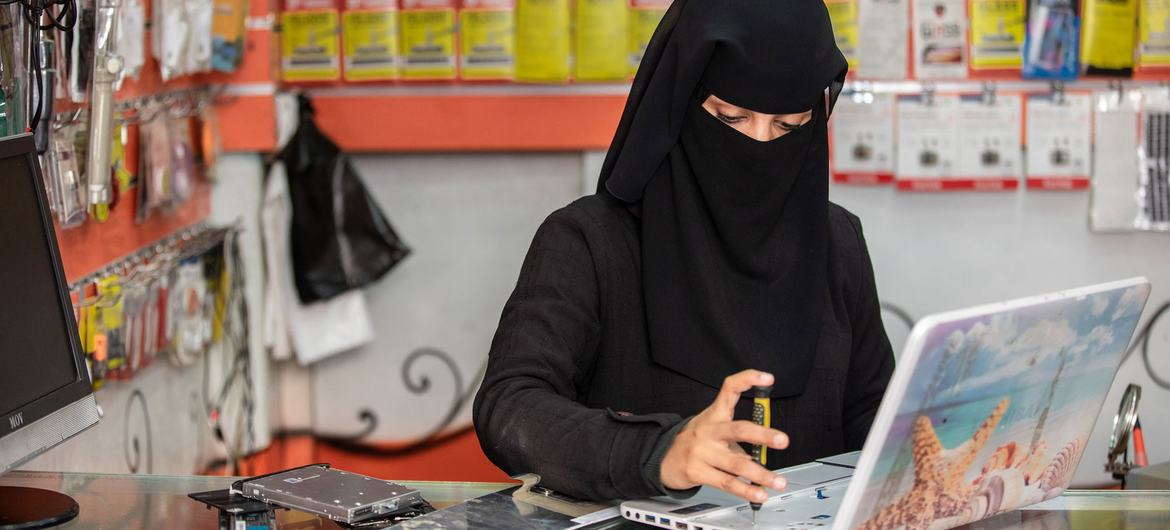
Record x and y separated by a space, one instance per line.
989 410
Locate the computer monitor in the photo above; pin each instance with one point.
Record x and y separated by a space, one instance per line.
45 392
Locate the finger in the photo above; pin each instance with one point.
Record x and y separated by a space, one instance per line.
715 478
742 465
734 386
746 431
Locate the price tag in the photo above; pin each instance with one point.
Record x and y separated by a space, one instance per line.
370 35
601 29
940 39
928 135
542 40
1059 140
863 138
428 39
488 38
309 47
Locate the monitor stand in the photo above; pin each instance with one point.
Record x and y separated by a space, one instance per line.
27 508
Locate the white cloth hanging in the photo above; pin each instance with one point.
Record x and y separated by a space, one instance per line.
310 331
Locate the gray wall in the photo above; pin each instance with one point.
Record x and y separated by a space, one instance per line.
469 220
935 252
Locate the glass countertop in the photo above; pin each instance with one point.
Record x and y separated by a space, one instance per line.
153 502
141 502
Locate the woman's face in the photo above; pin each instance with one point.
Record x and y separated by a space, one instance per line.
759 126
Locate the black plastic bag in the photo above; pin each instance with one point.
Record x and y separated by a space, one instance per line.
340 239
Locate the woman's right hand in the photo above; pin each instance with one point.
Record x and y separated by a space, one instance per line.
706 451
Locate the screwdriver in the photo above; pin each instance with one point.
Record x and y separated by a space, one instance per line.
761 415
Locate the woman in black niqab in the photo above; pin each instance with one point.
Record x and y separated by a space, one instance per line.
734 230
707 263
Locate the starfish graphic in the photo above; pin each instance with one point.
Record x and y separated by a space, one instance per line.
939 488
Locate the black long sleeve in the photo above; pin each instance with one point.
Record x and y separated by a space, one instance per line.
527 412
572 350
872 361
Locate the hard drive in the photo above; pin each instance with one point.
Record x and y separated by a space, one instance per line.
338 495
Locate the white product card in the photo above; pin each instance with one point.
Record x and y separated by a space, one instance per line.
940 39
863 138
883 38
1115 180
928 134
1059 140
990 134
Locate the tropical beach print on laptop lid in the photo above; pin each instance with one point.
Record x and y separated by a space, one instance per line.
998 411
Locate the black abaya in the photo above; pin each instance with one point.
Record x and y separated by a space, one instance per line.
566 359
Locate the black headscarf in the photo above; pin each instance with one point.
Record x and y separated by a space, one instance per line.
734 231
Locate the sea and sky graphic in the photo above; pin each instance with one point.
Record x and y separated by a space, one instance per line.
1053 362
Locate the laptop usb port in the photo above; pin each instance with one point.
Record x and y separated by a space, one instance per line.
680 526
650 518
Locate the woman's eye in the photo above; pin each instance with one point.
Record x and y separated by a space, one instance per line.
729 119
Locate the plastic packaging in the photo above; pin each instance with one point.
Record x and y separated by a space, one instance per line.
883 33
543 45
1113 201
428 39
340 238
199 43
1052 44
940 39
487 39
644 18
68 182
602 27
997 34
369 29
843 14
131 39
1107 45
309 45
227 34
170 32
1154 161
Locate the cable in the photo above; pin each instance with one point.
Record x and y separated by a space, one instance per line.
232 312
34 14
134 463
1142 339
902 314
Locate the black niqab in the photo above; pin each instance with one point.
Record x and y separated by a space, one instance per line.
734 230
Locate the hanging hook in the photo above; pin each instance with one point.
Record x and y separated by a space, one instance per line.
928 93
1058 92
988 95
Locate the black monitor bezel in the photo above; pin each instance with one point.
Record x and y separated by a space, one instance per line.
22 145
